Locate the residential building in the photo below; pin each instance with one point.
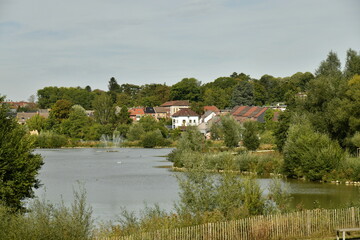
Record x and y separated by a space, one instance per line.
175 106
162 112
245 113
185 117
136 113
22 117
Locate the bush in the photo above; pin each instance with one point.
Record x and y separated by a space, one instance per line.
153 139
49 139
310 154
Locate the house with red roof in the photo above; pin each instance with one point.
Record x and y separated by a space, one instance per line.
246 113
136 113
185 117
211 108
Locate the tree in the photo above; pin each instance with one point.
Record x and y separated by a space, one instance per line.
124 116
330 66
250 135
310 154
61 110
186 89
19 166
231 129
114 86
77 124
243 94
36 122
103 107
352 65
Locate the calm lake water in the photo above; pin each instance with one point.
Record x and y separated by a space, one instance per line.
131 177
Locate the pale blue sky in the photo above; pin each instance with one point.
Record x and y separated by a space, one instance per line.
86 42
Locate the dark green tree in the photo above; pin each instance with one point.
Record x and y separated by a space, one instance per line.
251 136
19 166
186 89
243 94
124 116
330 66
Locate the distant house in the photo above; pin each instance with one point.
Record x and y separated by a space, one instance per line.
245 113
22 117
175 106
136 113
185 117
206 121
207 116
150 111
162 112
211 108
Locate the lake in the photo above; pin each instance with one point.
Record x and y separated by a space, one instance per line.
132 177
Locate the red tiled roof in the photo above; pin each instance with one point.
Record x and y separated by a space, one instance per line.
176 103
211 108
248 112
136 111
185 112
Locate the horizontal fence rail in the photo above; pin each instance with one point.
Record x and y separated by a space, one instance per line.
309 223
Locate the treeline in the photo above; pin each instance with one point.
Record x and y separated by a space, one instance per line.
223 92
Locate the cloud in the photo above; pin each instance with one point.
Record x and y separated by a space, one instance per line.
85 42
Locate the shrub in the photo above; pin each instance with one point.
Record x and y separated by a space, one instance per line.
310 154
49 139
152 139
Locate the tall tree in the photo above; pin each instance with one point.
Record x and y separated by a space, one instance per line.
103 107
243 94
330 66
352 65
19 166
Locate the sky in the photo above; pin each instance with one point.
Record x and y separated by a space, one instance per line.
72 43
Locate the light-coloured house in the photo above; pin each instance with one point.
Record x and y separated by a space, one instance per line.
207 116
175 106
162 112
185 117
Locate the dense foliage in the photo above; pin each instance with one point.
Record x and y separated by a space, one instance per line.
19 166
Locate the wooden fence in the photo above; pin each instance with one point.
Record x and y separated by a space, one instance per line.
309 223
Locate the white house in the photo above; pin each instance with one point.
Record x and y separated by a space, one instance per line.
185 117
208 115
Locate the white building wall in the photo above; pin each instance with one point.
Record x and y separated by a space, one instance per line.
185 121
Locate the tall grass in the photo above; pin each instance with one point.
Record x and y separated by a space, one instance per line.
45 221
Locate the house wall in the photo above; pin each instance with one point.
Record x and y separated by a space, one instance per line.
185 121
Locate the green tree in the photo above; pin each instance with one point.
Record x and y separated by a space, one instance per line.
19 166
330 66
250 135
231 129
282 128
36 122
77 124
136 131
103 107
61 110
124 116
243 94
186 89
352 65
310 154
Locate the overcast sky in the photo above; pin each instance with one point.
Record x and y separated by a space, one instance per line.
86 42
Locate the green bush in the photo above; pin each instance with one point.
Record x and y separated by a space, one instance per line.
153 138
49 139
310 154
